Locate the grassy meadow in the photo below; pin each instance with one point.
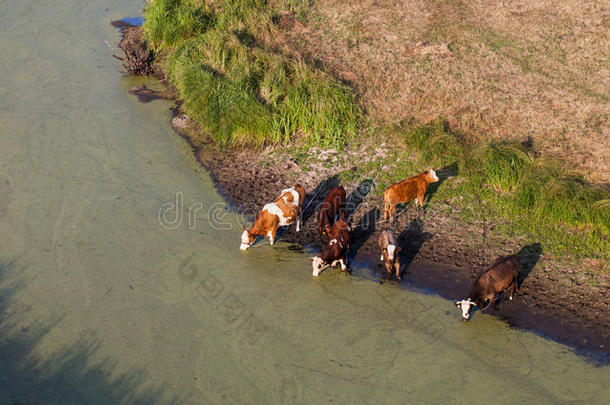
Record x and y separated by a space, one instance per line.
242 92
246 86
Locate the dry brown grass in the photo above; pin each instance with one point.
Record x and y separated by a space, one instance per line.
495 69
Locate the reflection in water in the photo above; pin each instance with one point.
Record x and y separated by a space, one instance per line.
102 304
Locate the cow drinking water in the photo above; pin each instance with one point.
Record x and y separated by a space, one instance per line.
285 210
389 252
336 251
503 274
406 191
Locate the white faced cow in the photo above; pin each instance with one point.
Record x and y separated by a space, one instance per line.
336 251
389 252
496 279
285 210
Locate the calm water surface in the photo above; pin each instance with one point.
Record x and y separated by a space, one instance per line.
99 303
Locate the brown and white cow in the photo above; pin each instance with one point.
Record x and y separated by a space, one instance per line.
407 190
389 252
331 207
285 210
336 251
500 276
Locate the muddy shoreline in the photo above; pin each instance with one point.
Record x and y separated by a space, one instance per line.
440 253
432 261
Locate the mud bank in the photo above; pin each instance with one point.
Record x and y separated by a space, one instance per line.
441 254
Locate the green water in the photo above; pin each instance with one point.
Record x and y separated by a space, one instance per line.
100 303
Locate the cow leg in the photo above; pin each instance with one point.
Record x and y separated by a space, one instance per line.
298 220
392 211
513 289
273 232
343 265
397 266
493 302
420 200
386 210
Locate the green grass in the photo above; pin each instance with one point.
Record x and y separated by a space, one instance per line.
238 90
245 94
534 196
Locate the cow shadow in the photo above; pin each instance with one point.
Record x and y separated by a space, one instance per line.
411 239
443 174
528 257
317 195
357 196
363 230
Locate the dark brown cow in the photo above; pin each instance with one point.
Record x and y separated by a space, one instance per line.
407 190
339 226
389 252
500 276
331 207
336 251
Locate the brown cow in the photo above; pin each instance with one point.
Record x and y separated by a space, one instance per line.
336 251
332 206
406 191
499 277
283 211
339 226
389 252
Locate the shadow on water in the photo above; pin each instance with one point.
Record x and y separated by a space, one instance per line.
127 22
67 376
146 95
528 258
412 238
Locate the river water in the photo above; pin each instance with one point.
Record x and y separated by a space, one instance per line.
103 301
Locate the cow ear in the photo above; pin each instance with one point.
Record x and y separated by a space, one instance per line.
458 303
311 258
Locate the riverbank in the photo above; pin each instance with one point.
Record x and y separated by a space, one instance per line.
441 253
444 250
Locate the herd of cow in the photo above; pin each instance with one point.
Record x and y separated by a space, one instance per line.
332 224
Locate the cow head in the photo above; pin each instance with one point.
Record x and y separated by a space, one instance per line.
432 174
318 265
466 306
247 239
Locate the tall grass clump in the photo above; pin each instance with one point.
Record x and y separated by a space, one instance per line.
311 103
436 143
239 90
501 166
168 22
